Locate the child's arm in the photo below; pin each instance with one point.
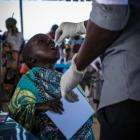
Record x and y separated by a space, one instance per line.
55 106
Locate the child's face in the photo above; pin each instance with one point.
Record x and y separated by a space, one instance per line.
40 51
51 52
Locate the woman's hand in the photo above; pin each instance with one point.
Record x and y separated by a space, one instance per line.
72 97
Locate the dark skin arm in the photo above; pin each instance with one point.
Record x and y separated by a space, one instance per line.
97 40
55 106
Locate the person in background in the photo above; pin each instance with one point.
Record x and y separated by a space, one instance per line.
95 82
91 83
12 42
39 90
67 53
112 32
13 38
51 35
75 44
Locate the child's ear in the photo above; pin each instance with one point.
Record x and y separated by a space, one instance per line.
33 60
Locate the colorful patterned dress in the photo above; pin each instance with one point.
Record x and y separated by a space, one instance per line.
40 85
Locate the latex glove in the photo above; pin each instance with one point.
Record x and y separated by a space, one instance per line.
71 97
69 29
70 78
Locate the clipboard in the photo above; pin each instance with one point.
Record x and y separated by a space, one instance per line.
74 116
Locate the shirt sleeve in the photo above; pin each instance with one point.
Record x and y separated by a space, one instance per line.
22 107
113 17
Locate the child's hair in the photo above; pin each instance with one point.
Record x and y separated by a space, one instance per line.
33 50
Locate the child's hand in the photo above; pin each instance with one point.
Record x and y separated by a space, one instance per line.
55 106
71 97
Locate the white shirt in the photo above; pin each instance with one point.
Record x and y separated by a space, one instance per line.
15 41
121 60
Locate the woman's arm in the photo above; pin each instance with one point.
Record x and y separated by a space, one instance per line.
96 41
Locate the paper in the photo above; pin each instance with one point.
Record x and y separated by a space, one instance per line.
74 116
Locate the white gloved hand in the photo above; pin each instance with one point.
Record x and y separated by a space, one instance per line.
70 78
69 29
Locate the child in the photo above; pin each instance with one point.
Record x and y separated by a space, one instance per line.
39 90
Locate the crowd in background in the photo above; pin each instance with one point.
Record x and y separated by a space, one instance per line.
12 42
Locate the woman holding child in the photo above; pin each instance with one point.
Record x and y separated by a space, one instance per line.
39 90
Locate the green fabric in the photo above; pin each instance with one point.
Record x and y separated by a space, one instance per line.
38 86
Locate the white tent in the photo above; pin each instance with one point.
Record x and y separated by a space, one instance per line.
40 15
